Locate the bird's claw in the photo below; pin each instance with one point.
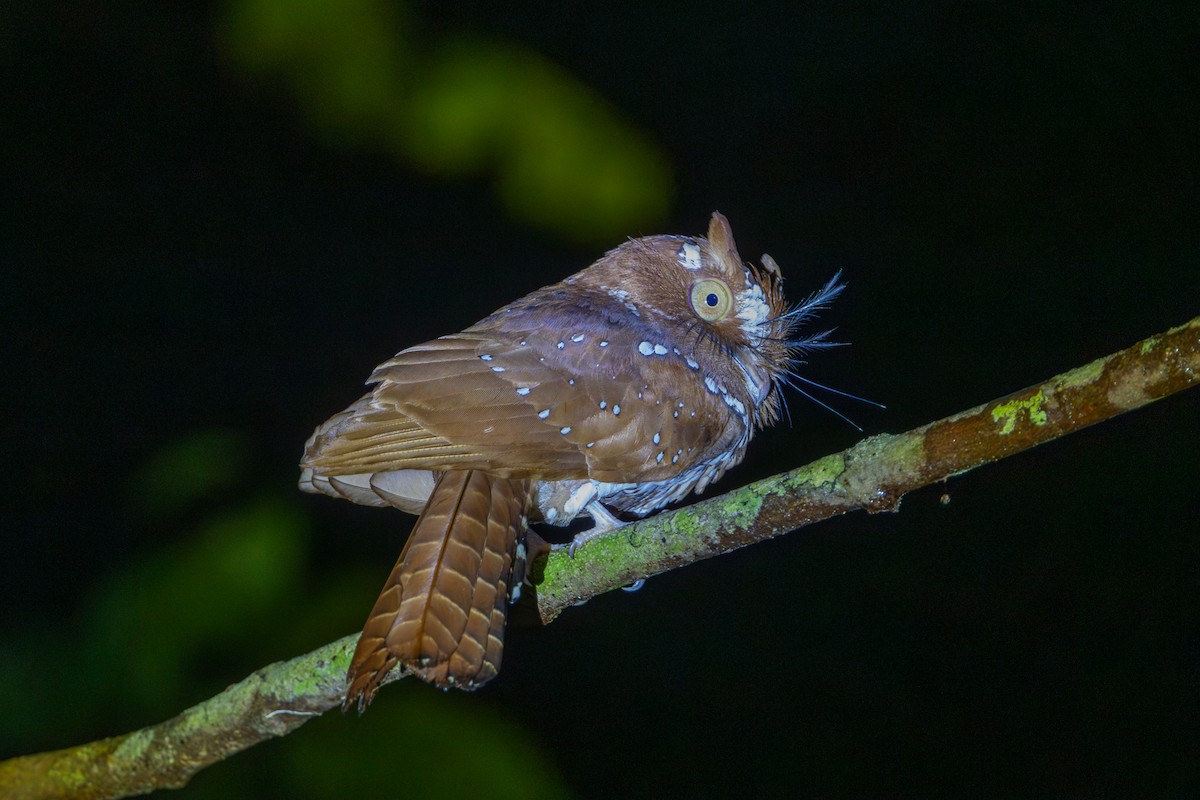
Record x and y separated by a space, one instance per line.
605 522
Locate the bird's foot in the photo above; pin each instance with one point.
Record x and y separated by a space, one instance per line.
604 522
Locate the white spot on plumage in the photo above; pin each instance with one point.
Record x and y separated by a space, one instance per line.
589 444
603 405
689 256
571 382
645 348
577 338
497 369
604 343
691 362
657 438
753 310
660 350
545 412
561 345
522 390
658 458
616 411
675 458
485 357
735 404
565 430
710 384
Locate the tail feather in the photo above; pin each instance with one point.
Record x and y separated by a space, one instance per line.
442 612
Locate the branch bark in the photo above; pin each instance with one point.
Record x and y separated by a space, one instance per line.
873 475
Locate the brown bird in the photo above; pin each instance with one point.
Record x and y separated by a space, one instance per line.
625 386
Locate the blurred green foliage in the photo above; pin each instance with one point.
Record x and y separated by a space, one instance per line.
344 63
415 742
186 470
561 158
150 630
222 593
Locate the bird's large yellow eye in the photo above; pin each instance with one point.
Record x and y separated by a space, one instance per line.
711 299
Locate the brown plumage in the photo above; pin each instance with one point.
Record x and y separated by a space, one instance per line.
626 385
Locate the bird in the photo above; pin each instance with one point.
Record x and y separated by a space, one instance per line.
612 393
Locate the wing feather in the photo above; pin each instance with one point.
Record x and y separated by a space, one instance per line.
532 392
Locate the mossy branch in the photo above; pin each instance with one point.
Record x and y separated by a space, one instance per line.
873 475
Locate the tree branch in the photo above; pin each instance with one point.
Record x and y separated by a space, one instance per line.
872 475
273 701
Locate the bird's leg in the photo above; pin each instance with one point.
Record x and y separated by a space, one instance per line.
605 522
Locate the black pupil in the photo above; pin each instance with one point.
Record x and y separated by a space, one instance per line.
711 300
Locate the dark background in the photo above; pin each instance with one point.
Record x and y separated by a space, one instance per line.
196 272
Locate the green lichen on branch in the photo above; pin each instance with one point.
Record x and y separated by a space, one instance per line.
1008 414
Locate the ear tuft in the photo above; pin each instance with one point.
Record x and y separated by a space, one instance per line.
720 236
771 267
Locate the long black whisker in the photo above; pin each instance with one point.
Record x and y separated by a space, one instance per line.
705 333
830 389
787 412
695 326
827 407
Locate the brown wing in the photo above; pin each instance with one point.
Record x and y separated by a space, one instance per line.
552 389
440 406
625 397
